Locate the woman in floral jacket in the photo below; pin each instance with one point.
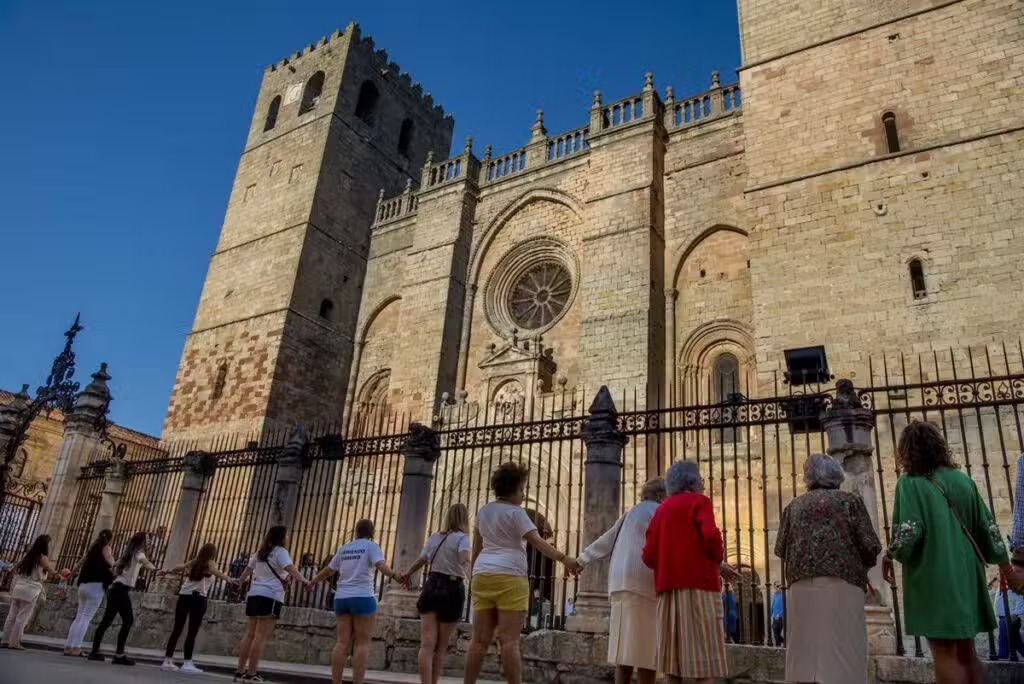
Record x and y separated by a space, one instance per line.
943 536
827 544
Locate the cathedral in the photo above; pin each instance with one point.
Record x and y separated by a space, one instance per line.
856 190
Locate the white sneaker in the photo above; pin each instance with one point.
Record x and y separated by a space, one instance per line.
189 668
169 666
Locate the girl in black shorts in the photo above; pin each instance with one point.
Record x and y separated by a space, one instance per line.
447 556
268 568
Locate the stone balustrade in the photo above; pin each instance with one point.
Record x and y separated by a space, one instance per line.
503 166
568 144
543 150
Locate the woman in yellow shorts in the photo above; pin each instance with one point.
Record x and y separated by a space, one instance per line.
500 586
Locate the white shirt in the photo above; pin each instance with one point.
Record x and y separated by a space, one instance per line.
627 571
264 582
130 574
446 558
355 564
503 527
202 586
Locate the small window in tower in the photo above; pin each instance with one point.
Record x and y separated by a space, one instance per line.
220 381
405 138
892 136
275 105
326 307
311 94
367 102
917 279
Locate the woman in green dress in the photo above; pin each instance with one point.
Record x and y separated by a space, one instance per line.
943 535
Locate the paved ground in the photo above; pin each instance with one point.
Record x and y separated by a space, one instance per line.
44 664
39 667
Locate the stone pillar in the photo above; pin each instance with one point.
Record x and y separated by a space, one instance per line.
601 497
83 429
670 347
10 422
290 464
849 425
421 450
114 478
467 327
353 380
199 465
537 148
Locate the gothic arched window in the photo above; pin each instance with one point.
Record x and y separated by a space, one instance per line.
311 94
275 107
892 136
326 308
917 283
405 137
366 105
725 377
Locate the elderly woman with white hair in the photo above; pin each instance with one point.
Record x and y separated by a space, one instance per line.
632 639
827 545
684 548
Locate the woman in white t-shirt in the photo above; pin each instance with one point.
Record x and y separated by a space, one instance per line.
192 600
355 603
446 556
501 587
269 569
119 599
28 585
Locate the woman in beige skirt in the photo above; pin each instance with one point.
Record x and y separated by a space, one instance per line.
827 543
632 634
684 548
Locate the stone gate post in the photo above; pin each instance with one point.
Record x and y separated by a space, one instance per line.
114 478
601 499
83 429
421 450
199 465
290 465
848 426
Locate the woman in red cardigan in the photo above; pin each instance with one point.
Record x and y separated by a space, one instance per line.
684 548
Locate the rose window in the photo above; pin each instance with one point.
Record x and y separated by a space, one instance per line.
540 295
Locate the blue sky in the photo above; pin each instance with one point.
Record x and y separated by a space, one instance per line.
123 121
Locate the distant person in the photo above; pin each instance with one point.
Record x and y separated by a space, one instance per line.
732 616
355 600
632 631
29 576
779 616
269 567
827 545
500 587
1010 638
95 574
119 599
1017 531
446 556
192 600
944 535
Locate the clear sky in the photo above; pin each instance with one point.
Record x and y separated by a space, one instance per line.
122 122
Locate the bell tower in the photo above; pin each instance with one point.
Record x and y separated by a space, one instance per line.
272 339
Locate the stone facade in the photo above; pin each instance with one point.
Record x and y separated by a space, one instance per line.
677 232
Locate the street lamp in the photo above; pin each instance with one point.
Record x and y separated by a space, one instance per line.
58 393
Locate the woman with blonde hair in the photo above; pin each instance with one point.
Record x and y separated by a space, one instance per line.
446 557
28 585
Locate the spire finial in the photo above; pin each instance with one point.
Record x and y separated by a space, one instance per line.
715 81
537 131
408 186
469 145
597 99
648 81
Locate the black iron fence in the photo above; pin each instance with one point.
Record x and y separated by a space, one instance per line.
750 447
21 505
